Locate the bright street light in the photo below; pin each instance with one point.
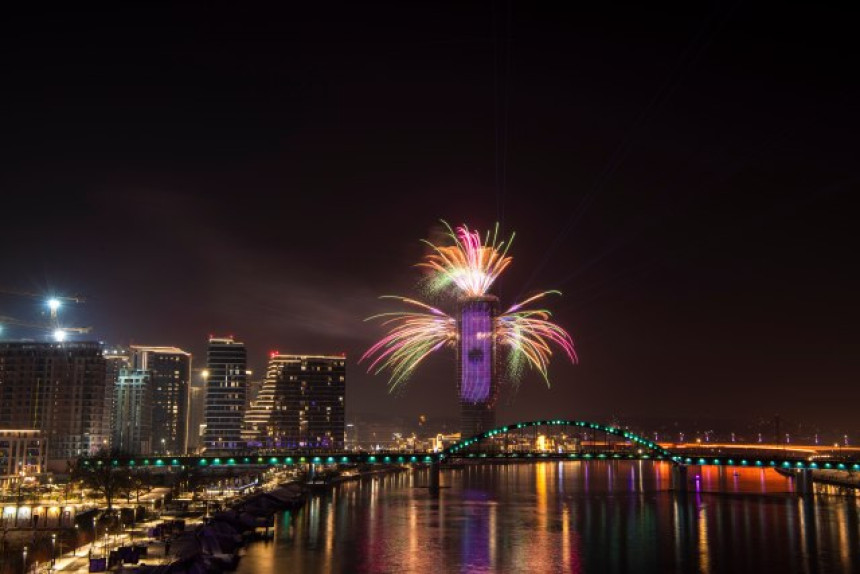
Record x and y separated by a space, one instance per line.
54 304
59 335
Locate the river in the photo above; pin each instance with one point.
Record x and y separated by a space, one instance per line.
565 517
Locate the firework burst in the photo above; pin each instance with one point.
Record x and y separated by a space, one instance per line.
471 265
527 333
468 268
412 336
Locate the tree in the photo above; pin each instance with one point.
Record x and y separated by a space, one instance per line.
98 473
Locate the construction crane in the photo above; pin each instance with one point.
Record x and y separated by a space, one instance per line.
59 333
54 303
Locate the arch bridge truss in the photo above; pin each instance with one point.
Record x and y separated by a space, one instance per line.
557 439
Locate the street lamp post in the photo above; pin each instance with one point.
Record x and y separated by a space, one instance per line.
53 550
24 562
75 547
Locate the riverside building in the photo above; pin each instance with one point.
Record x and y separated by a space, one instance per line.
169 371
226 387
59 389
301 404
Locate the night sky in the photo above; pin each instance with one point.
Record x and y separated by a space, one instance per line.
687 178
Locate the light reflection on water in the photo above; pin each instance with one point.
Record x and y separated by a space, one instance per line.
566 517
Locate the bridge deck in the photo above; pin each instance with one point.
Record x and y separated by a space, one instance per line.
782 461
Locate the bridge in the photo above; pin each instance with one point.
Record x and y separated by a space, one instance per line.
560 439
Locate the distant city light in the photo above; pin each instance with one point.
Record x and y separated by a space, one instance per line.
59 335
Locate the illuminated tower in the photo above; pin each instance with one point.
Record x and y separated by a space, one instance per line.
476 364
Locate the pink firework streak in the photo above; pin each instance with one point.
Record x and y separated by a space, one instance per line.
468 268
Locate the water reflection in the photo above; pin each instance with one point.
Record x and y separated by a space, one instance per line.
565 517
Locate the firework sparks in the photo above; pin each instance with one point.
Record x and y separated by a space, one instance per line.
469 264
413 335
469 267
528 334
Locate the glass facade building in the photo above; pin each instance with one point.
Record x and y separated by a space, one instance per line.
170 377
226 384
131 417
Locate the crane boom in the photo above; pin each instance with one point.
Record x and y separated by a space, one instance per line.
71 299
4 320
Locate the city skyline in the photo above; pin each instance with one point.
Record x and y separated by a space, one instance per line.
684 180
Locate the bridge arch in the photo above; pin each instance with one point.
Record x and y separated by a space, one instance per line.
653 448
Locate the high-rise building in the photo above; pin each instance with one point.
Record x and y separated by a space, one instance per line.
225 393
170 376
116 359
131 418
301 404
59 389
196 413
476 363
